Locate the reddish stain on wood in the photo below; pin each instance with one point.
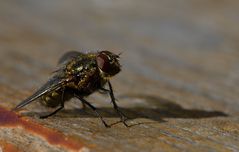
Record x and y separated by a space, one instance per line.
5 146
11 119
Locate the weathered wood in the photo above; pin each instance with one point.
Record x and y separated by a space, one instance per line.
179 81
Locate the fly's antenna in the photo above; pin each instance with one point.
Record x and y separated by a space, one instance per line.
118 55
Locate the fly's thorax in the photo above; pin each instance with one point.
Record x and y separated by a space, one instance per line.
80 66
86 74
88 82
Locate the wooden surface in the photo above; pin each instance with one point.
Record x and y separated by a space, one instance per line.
179 80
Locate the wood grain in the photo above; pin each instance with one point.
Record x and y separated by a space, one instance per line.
179 79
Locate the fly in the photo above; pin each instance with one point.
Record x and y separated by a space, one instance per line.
79 75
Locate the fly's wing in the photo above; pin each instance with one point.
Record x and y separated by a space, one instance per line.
53 84
69 55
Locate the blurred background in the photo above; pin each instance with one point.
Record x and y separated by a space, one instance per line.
185 51
182 46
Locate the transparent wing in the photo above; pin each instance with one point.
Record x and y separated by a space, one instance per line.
53 84
68 56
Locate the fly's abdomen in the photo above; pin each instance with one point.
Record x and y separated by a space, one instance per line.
52 99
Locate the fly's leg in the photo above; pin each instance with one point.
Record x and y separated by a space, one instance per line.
104 91
123 118
93 108
57 110
51 114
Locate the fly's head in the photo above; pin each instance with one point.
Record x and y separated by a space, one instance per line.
108 63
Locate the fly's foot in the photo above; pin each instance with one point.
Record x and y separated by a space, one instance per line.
43 117
105 124
123 118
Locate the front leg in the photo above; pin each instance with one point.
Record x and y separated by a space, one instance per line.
122 116
93 108
103 90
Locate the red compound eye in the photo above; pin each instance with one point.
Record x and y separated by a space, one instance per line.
103 62
108 63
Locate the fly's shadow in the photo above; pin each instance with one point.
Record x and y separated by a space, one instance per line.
154 108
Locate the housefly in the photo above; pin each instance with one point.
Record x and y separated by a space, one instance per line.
79 75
